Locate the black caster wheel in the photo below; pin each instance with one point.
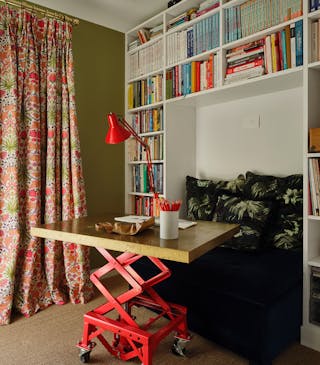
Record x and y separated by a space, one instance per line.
85 357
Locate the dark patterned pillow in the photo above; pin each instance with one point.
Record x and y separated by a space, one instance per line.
252 216
286 226
202 195
262 187
234 187
200 198
287 233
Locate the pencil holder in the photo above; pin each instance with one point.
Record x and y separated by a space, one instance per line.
169 229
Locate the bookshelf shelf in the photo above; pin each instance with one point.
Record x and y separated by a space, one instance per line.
182 114
314 14
145 45
144 76
281 80
314 262
145 107
314 65
232 3
144 162
199 57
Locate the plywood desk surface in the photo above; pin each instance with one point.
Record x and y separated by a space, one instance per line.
191 244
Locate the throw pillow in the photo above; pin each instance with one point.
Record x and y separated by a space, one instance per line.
252 216
286 228
262 187
287 233
202 195
200 198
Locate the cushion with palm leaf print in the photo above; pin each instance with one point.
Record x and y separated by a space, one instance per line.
252 215
202 195
263 187
286 227
287 232
200 198
231 187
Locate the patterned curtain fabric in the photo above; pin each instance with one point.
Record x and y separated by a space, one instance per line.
41 178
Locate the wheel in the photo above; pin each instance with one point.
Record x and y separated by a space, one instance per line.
178 348
85 357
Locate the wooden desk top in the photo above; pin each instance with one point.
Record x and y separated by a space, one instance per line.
191 244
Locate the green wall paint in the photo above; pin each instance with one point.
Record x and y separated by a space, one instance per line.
99 82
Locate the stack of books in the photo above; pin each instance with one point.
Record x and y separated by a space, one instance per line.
143 35
245 61
145 121
278 51
156 31
206 6
192 77
133 44
182 18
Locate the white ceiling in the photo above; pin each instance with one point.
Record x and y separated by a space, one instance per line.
121 15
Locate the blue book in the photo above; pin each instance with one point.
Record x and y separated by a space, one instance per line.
299 43
284 49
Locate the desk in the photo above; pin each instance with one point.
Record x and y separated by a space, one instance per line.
130 339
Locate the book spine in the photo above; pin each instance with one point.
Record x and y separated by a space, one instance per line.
284 49
268 54
246 66
299 43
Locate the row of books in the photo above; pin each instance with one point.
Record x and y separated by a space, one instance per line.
207 5
315 41
192 77
150 120
136 152
256 15
140 180
278 51
146 205
145 92
201 37
314 186
191 13
146 60
182 18
314 5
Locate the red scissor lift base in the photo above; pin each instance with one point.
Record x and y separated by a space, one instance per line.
131 340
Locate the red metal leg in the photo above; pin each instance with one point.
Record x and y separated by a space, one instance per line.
130 339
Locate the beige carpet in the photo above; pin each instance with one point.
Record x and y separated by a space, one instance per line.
49 338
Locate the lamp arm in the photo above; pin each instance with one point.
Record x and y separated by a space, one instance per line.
135 135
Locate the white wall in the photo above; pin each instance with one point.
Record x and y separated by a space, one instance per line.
229 142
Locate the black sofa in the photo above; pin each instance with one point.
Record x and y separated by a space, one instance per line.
246 295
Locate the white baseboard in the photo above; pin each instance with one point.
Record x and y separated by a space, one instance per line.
310 336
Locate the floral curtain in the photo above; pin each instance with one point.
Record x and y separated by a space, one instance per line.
41 178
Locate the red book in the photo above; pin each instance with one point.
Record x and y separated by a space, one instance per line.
198 63
245 66
280 51
209 75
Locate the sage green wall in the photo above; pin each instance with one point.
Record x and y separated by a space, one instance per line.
99 81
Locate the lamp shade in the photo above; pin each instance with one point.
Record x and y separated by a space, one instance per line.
116 133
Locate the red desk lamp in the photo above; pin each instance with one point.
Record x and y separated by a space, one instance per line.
119 131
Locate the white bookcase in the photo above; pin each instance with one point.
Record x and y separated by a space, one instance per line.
180 113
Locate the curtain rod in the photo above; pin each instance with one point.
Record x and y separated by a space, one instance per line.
42 10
